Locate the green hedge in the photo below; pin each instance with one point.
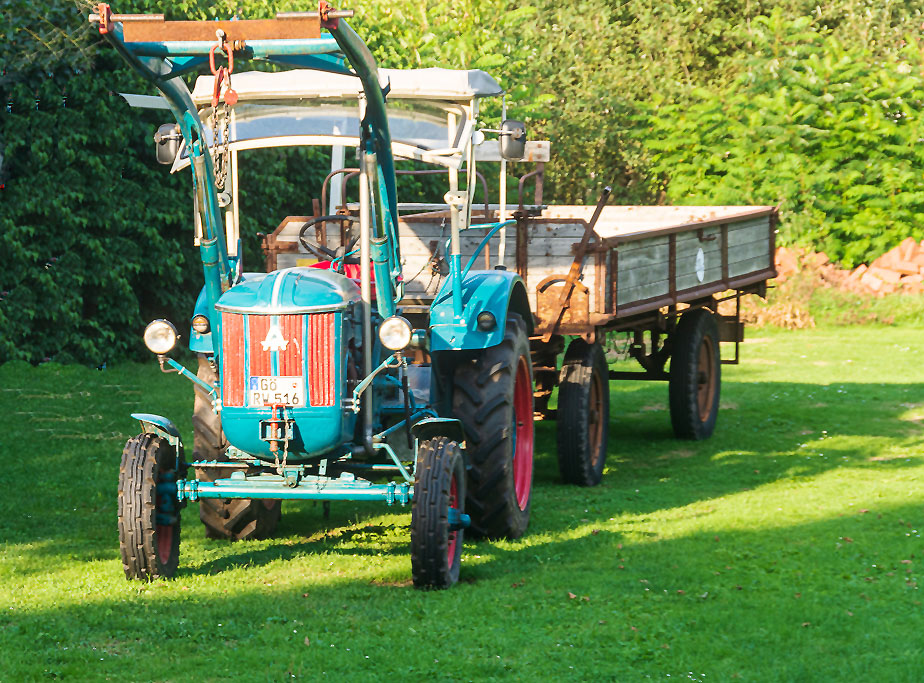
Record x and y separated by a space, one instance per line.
814 106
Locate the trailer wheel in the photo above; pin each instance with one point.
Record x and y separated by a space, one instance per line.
149 520
237 519
439 488
493 397
695 375
583 414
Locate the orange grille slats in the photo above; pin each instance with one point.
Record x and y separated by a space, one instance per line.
290 360
232 370
261 362
321 358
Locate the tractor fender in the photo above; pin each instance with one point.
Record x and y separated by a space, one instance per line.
499 292
155 424
431 427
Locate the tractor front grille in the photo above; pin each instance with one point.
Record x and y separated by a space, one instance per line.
246 355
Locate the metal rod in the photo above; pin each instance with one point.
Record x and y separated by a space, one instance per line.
252 49
333 14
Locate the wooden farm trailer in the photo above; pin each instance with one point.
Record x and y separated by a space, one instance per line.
655 272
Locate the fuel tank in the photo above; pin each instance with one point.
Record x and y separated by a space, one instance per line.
284 355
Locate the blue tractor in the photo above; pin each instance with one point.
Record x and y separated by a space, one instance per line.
327 379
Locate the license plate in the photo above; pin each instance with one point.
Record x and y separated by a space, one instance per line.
267 391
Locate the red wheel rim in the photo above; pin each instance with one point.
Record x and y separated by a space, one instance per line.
595 418
705 380
164 542
523 434
453 535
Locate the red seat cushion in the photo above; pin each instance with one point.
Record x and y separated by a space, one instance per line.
351 270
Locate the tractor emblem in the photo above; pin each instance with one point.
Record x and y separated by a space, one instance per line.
274 340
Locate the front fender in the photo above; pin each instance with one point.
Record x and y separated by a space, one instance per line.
499 292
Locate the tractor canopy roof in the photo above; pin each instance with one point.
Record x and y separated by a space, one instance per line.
418 84
426 110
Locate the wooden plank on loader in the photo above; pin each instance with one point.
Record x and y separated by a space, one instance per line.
147 31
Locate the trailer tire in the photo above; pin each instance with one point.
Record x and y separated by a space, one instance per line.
237 519
583 414
436 547
149 524
493 397
695 375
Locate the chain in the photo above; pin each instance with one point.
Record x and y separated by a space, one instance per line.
221 146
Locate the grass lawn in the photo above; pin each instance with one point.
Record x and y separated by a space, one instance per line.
787 547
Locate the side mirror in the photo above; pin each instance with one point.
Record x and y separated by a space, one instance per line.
513 140
167 141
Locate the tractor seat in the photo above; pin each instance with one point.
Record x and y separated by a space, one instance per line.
351 270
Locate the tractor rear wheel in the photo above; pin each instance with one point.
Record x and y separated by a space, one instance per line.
695 376
149 519
237 519
439 499
493 397
583 414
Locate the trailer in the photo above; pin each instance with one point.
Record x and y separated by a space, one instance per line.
655 273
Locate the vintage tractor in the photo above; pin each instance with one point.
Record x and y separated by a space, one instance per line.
327 381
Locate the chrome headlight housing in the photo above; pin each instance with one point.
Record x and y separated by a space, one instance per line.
200 323
160 336
395 333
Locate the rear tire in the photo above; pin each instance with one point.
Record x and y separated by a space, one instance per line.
436 547
695 376
493 397
583 414
237 519
149 522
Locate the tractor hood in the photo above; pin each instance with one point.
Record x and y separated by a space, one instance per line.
293 290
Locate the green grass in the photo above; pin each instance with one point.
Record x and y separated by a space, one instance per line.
787 547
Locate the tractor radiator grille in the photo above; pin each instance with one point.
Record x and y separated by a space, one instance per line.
245 355
321 355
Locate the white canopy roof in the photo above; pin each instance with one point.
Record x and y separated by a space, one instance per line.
428 84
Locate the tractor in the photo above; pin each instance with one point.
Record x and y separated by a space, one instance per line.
325 379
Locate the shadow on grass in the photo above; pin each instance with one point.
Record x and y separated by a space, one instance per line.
826 591
767 431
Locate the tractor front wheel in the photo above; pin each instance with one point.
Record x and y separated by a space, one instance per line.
436 525
493 397
149 514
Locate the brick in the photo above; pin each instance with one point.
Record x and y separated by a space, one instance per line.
906 267
857 272
908 248
870 281
908 280
885 274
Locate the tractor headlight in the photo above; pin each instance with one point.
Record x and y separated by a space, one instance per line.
395 333
200 323
160 337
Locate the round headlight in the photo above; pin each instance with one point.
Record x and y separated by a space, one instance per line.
160 337
200 323
395 333
486 321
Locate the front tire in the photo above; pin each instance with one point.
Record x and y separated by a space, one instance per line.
493 397
583 414
149 520
439 492
237 519
695 375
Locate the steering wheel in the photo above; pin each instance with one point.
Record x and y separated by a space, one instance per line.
323 253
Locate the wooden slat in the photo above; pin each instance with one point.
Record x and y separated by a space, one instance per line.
247 29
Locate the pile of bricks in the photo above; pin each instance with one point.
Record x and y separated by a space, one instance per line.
898 270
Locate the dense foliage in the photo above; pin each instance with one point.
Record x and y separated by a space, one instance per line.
813 106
